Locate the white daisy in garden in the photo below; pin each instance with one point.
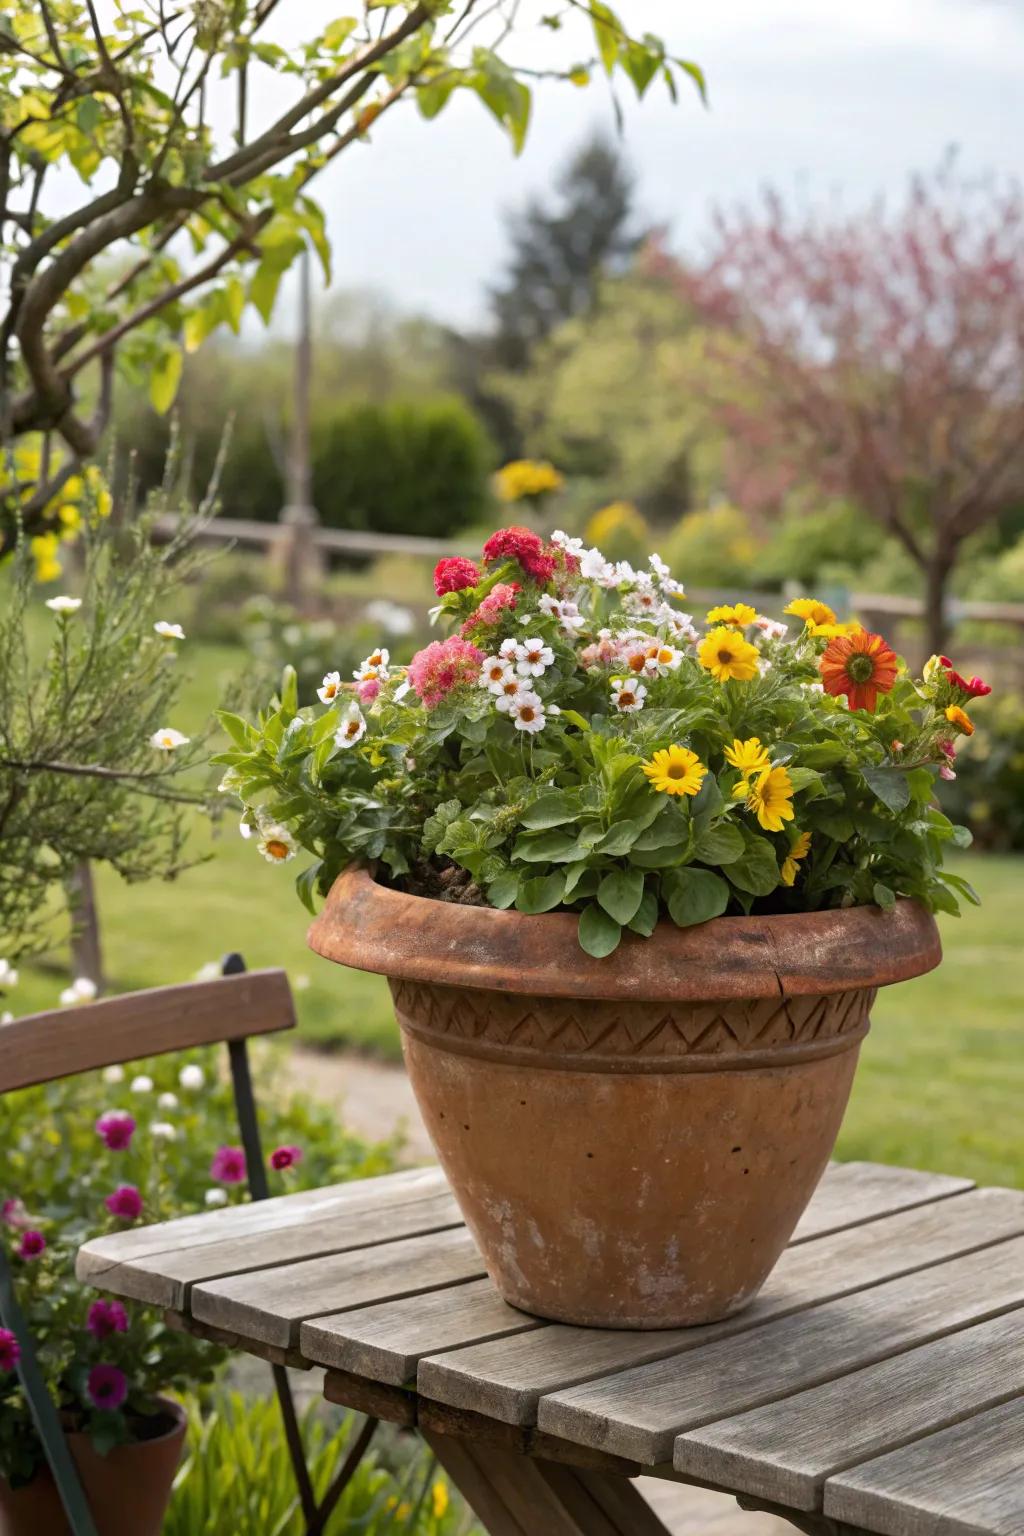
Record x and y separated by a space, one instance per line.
141 1084
82 990
167 1101
375 665
211 971
8 975
63 604
168 631
215 1197
566 612
113 1074
163 1130
167 739
662 659
533 658
643 601
527 712
7 1017
276 844
192 1077
351 729
494 671
508 648
329 688
511 690
628 696
571 546
625 572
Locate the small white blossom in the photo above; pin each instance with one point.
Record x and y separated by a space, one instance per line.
113 1074
81 990
494 671
167 739
276 844
245 828
8 975
7 1017
643 602
628 696
352 727
329 688
533 658
163 1130
192 1077
301 982
527 713
567 613
211 971
508 648
167 1101
215 1197
141 1084
391 617
662 659
168 631
511 690
771 628
374 666
64 604
594 567
624 572
571 546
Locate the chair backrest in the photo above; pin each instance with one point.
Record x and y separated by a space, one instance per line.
41 1047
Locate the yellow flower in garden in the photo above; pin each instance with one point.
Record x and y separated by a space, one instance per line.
961 719
748 756
795 857
724 653
811 611
771 796
44 552
439 1499
739 614
830 631
675 770
526 477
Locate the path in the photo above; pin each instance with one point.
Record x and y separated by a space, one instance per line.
376 1101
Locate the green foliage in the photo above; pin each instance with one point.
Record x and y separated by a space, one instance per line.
830 543
988 792
278 637
58 1170
717 547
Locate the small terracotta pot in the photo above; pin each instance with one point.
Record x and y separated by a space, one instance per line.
128 1490
632 1140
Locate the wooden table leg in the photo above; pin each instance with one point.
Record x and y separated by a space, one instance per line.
516 1495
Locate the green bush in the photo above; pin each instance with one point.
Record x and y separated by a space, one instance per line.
831 544
713 548
988 793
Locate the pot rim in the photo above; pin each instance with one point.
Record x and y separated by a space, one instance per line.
373 927
172 1409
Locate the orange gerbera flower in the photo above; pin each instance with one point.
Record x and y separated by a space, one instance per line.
862 666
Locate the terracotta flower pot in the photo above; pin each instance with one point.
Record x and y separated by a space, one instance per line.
632 1140
128 1490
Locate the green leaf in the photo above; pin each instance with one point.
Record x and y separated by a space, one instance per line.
890 785
263 286
621 892
645 919
695 896
619 839
599 933
541 894
834 824
550 810
720 845
238 729
290 690
164 380
961 837
884 896
608 33
338 30
234 302
501 893
545 847
803 779
306 885
757 871
660 858
433 96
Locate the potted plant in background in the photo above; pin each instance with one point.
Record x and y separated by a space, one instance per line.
634 882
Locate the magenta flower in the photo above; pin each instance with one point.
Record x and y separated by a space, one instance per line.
285 1157
32 1244
125 1203
228 1166
10 1350
107 1387
369 690
500 600
13 1214
453 574
442 666
117 1129
106 1317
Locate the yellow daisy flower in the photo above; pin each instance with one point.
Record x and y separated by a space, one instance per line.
748 756
675 770
795 857
811 611
961 719
724 653
739 614
771 796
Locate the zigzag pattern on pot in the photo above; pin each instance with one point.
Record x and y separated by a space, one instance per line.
571 1027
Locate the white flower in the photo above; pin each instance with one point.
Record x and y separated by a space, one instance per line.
192 1077
494 671
351 729
167 1101
276 844
508 648
628 696
168 631
642 601
510 692
400 692
662 659
7 1017
771 628
374 666
8 975
567 613
301 982
625 572
245 829
141 1084
594 567
167 739
391 617
64 604
211 971
163 1130
329 688
571 546
658 566
214 1197
114 1074
81 990
533 658
527 712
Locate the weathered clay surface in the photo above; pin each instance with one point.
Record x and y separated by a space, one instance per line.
631 1141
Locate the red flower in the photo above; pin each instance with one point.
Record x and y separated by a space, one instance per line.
860 665
107 1387
524 545
125 1203
10 1350
454 573
106 1317
228 1165
973 687
32 1245
285 1157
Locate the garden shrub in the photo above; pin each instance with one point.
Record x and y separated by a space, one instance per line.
988 792
713 548
620 530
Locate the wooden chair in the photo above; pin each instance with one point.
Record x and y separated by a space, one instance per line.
42 1047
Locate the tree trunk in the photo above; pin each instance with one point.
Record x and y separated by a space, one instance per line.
936 626
86 950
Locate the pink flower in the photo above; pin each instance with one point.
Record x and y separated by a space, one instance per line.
13 1214
499 600
453 574
946 772
107 1387
973 687
369 690
228 1165
10 1350
285 1157
442 666
125 1203
117 1129
32 1245
105 1318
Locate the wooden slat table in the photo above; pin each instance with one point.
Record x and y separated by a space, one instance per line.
876 1385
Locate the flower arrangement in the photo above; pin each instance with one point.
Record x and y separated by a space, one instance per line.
579 742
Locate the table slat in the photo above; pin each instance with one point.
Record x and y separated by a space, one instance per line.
505 1378
270 1304
639 1413
967 1480
784 1452
852 1193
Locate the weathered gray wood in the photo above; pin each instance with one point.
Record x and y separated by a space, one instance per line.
785 1451
852 1193
387 1341
965 1481
505 1378
639 1412
270 1304
157 1263
370 1397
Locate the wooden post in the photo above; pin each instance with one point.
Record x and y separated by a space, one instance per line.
302 563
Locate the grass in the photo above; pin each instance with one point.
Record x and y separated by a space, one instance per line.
941 1080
